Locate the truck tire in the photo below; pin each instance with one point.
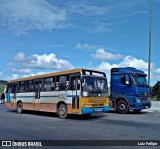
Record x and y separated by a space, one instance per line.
62 111
19 107
122 107
136 111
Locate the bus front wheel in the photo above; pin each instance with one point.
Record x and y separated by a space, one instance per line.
62 111
19 107
122 107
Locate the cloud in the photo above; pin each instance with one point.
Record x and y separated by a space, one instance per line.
13 76
47 61
101 54
19 57
128 61
22 16
85 8
157 70
34 74
16 76
21 71
85 46
101 27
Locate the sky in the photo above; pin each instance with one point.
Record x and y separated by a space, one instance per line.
43 36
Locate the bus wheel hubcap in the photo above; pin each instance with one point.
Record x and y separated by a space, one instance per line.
62 111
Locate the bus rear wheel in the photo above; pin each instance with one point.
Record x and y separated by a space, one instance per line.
19 107
62 111
122 107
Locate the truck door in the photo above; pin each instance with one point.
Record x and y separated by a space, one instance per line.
127 88
75 94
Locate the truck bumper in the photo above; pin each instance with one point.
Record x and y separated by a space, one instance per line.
140 106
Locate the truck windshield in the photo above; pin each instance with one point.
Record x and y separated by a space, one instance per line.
140 80
95 86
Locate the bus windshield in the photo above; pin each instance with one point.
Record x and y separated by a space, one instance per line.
140 80
95 86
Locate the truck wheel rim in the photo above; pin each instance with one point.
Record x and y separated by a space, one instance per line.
122 107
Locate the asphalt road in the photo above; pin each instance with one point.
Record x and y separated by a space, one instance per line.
33 125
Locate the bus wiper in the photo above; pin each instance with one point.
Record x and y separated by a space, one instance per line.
94 90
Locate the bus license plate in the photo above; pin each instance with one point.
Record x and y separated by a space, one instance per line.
146 107
98 110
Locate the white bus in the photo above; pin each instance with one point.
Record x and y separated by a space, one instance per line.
77 91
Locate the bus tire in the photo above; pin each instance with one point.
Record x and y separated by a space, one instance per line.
87 115
122 107
19 107
62 111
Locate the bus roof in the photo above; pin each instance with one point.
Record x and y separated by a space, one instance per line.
52 74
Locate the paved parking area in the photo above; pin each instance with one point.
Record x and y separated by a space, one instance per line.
100 126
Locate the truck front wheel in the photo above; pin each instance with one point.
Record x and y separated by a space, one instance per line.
122 107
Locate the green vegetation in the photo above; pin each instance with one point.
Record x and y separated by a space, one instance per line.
3 84
156 92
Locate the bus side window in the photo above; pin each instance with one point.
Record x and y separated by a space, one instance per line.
73 86
49 84
22 87
9 88
28 86
63 82
73 83
15 88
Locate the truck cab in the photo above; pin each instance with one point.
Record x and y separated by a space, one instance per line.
129 90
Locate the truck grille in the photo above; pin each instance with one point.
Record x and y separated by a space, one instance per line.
144 95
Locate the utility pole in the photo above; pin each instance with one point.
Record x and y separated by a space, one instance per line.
149 51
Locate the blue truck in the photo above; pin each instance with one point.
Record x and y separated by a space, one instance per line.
129 90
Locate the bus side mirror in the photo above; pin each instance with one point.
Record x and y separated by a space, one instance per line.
82 84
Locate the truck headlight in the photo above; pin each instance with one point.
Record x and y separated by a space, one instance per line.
138 100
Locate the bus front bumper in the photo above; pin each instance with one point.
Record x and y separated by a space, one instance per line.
88 110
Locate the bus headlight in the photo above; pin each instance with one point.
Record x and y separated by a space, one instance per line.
138 100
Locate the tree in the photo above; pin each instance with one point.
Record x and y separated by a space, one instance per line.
156 90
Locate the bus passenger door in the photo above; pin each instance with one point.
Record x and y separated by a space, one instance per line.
75 96
15 91
37 90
